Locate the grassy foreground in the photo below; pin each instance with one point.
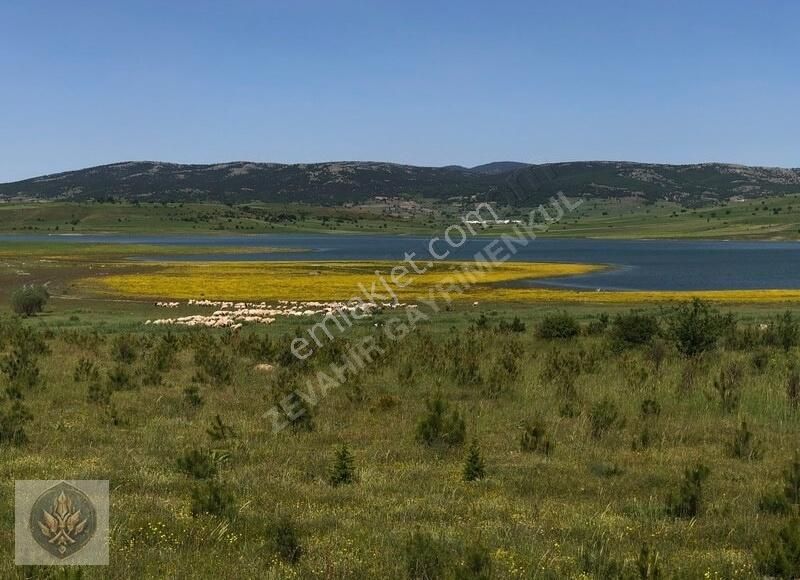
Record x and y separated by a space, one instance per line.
579 466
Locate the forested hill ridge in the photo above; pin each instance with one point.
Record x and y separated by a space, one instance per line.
333 183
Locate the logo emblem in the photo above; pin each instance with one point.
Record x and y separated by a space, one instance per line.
63 520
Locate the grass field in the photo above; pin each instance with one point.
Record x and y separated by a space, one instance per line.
767 218
584 439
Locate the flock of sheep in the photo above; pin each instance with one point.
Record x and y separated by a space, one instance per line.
235 314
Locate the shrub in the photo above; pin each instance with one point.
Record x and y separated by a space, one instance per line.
212 497
781 502
198 463
85 370
20 368
534 438
425 558
774 503
516 325
124 349
474 466
604 416
650 409
598 326
729 386
285 539
343 469
13 418
219 431
633 329
779 557
559 325
29 300
687 502
192 396
296 410
119 379
216 367
439 426
744 445
785 332
695 327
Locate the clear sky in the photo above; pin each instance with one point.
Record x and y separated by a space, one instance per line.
429 83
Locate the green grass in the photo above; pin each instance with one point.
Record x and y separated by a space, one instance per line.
534 514
767 218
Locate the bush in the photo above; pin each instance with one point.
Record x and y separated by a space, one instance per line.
216 367
559 325
13 418
687 502
124 349
633 329
119 379
85 370
781 502
779 557
29 300
425 558
192 396
343 470
534 438
516 325
439 427
284 539
744 445
20 368
474 467
729 386
213 498
785 332
695 327
604 416
198 463
219 431
598 326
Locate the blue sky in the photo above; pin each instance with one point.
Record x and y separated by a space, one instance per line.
429 83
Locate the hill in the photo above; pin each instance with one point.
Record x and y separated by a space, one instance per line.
334 183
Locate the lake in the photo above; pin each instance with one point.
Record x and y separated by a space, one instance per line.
635 264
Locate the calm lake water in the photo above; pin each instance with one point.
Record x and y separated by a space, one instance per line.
636 264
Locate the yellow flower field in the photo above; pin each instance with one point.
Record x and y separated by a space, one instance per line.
341 280
312 280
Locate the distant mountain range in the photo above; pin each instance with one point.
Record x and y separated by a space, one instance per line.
352 181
